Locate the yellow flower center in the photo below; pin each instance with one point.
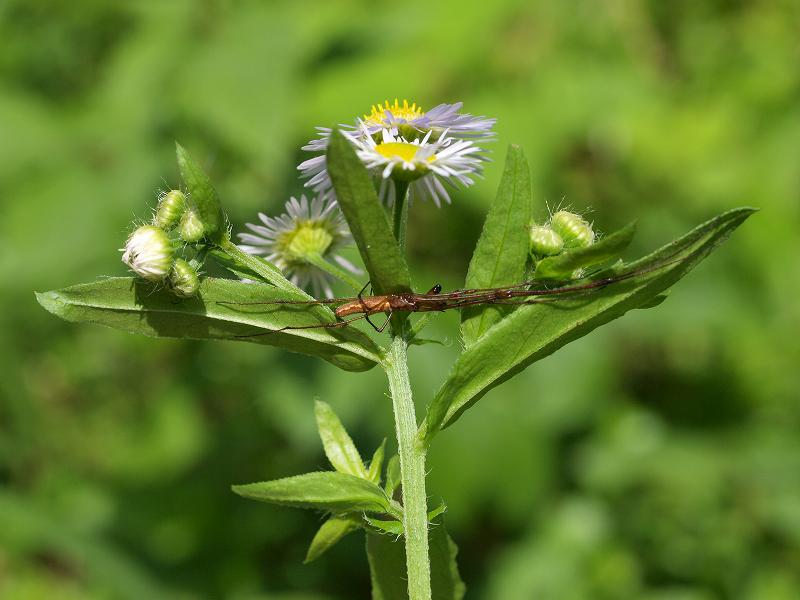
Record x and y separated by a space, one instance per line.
307 238
402 150
404 111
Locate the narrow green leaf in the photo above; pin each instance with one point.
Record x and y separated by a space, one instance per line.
323 490
502 250
601 251
654 301
331 531
392 476
534 331
395 527
219 311
202 197
439 510
389 527
368 221
376 464
339 447
387 566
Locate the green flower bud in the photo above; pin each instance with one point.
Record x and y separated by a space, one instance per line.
184 279
148 252
573 229
544 241
169 211
191 228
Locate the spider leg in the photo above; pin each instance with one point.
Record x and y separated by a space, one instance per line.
366 316
335 325
385 323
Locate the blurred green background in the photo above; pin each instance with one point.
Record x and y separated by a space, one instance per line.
659 458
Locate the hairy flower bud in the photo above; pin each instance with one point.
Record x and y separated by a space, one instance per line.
170 209
184 279
191 228
544 241
148 252
573 229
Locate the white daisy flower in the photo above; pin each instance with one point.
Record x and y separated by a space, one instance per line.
306 229
412 124
440 118
149 253
426 165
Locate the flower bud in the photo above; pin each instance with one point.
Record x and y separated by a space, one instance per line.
191 228
169 211
573 229
544 241
184 279
148 252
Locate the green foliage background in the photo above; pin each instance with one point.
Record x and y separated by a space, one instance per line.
659 458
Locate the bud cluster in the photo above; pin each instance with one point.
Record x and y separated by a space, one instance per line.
152 251
563 231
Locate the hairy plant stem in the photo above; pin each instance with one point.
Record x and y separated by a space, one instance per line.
412 472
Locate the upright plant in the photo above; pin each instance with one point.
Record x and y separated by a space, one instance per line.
369 172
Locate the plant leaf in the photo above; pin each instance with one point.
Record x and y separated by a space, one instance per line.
387 566
331 531
202 196
376 464
324 490
502 250
368 222
392 476
137 306
390 527
566 263
534 331
339 447
395 526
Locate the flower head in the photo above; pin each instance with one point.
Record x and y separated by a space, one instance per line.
404 142
307 231
148 252
439 118
425 164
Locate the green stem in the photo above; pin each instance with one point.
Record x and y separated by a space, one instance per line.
331 269
260 267
400 213
412 473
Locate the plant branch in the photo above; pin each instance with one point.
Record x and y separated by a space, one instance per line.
333 270
260 267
